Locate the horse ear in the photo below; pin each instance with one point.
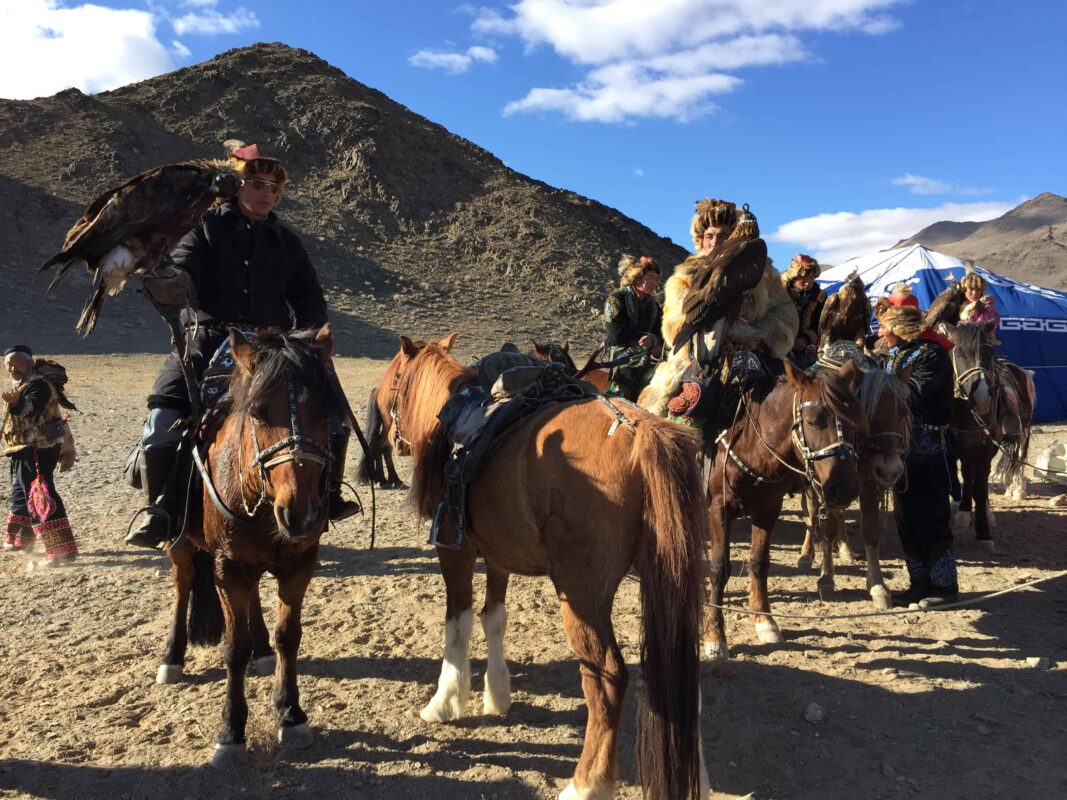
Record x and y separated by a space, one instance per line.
407 347
904 375
794 376
243 350
566 346
324 343
850 373
537 346
988 327
448 341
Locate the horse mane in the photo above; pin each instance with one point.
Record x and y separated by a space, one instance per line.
877 382
968 338
427 383
289 356
842 402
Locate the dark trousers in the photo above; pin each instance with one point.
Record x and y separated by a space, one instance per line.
21 525
169 389
923 516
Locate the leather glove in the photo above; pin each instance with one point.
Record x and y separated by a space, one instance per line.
169 287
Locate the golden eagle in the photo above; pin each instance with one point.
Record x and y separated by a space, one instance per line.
847 313
720 282
946 306
130 229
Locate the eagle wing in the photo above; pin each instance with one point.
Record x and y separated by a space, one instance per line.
946 307
720 282
147 216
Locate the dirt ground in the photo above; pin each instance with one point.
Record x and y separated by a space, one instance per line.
940 705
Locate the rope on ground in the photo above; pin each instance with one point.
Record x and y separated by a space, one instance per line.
897 611
892 613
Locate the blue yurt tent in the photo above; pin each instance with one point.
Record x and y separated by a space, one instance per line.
1033 320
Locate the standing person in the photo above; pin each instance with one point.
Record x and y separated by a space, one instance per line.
33 431
921 498
240 268
632 321
809 299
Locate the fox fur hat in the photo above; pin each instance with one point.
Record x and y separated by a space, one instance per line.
972 281
631 268
904 321
248 159
800 267
712 213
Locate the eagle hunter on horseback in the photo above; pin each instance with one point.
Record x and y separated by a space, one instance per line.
247 487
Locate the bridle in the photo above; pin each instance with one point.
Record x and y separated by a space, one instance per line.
394 414
303 448
961 378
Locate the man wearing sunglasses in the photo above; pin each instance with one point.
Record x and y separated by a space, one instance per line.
241 268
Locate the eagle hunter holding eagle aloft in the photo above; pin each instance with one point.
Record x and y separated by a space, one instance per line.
233 265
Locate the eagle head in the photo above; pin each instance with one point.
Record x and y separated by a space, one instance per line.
225 184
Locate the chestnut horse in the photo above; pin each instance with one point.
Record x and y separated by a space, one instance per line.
976 413
579 491
376 463
262 508
802 431
881 464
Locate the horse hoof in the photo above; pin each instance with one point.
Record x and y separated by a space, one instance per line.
496 705
1019 495
805 562
825 588
169 673
962 520
296 737
986 545
228 757
264 665
716 651
436 711
599 792
768 633
881 598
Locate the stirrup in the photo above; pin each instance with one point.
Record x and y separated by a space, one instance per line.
435 530
151 511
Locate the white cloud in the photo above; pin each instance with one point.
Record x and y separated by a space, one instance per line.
180 49
209 22
46 47
647 48
200 3
452 63
638 172
919 184
835 237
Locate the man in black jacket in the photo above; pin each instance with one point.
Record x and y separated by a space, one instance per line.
632 318
921 498
240 268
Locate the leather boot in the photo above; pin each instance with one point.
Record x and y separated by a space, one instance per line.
339 507
156 470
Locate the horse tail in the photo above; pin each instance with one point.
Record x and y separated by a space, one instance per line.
206 622
671 566
370 467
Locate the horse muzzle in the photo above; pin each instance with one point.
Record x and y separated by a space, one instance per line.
294 526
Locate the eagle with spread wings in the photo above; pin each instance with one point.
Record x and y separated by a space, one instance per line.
847 313
130 229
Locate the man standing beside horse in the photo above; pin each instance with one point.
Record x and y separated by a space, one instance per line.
240 268
921 498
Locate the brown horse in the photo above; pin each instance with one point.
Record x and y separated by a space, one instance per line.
262 508
579 491
885 400
560 353
802 431
977 410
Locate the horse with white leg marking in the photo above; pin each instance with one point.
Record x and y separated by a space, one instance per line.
579 491
803 430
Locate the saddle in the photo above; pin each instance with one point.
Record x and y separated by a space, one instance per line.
477 419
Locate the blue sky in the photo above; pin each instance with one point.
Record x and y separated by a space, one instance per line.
846 124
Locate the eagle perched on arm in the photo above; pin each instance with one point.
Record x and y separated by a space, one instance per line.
130 229
847 313
946 306
722 277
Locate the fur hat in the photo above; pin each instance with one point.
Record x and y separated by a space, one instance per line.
249 160
901 296
20 349
631 268
972 281
905 321
711 212
801 266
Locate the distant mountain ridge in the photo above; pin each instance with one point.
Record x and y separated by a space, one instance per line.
412 228
1028 243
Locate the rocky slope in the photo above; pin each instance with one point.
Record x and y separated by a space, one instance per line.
413 229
